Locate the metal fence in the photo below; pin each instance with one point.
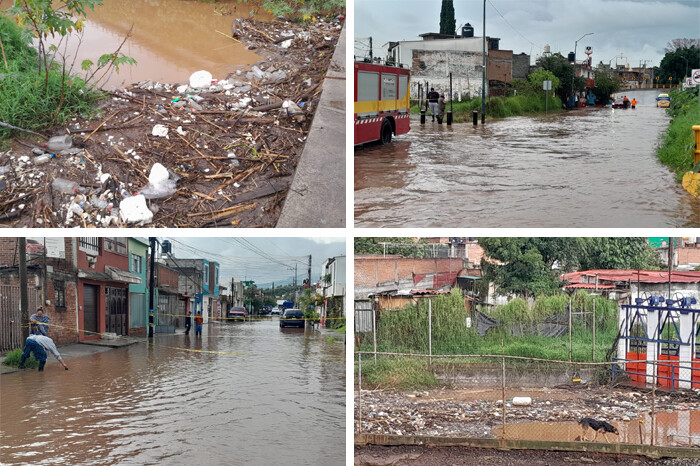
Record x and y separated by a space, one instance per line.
11 317
507 397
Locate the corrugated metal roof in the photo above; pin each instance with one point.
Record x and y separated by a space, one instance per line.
589 286
642 276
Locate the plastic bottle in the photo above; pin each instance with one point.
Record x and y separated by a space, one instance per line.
42 159
59 143
66 186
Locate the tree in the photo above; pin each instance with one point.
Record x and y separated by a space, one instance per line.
537 77
526 266
677 64
447 18
619 253
676 44
605 84
522 268
562 69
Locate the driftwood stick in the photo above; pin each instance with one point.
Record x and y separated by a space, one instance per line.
17 128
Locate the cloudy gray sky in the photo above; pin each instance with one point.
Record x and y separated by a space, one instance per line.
240 259
637 29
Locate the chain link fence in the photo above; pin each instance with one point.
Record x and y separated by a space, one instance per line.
436 369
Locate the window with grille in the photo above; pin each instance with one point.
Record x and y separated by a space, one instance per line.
136 264
115 245
59 294
90 245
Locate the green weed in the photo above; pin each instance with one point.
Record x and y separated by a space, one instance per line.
15 356
396 373
676 151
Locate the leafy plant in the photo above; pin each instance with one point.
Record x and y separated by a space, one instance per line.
14 357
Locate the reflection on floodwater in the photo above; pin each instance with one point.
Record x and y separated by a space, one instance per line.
672 429
170 40
255 395
584 168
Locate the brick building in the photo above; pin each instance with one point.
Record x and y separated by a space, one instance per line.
55 290
374 273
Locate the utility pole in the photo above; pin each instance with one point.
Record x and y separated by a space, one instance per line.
23 294
151 291
45 284
371 56
670 264
483 73
231 293
309 274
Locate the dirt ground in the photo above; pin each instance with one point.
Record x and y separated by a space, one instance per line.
553 411
230 150
453 456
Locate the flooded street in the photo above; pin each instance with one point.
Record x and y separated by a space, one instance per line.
245 393
170 39
584 168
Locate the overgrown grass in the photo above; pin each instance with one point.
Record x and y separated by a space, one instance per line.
15 356
24 101
676 151
406 330
396 373
501 107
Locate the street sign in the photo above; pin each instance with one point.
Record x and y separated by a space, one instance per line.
689 82
696 76
547 85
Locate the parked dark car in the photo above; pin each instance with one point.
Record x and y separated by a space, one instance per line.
292 318
237 313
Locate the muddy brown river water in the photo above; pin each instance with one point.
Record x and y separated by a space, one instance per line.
584 168
245 393
171 39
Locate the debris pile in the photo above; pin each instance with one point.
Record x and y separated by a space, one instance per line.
204 153
475 413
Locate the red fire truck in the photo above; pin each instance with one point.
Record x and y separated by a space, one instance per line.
382 102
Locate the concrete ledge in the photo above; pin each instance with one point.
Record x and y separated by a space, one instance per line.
625 449
316 198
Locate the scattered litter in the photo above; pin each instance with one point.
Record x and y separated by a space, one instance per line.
160 131
133 209
200 79
59 143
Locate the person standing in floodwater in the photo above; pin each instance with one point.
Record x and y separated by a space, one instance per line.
38 344
433 101
441 108
634 102
188 322
39 323
198 321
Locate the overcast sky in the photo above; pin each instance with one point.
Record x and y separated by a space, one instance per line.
637 29
239 260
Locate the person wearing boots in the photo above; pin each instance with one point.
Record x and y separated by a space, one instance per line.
38 344
433 101
441 108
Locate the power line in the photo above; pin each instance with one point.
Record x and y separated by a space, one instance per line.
513 27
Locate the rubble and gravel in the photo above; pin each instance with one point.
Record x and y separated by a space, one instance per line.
231 148
476 412
373 455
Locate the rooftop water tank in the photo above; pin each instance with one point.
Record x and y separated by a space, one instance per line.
467 30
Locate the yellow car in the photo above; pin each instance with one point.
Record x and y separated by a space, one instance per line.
663 100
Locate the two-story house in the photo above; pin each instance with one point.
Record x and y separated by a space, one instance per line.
138 292
103 286
200 278
333 283
166 297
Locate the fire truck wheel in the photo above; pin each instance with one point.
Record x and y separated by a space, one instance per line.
386 132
